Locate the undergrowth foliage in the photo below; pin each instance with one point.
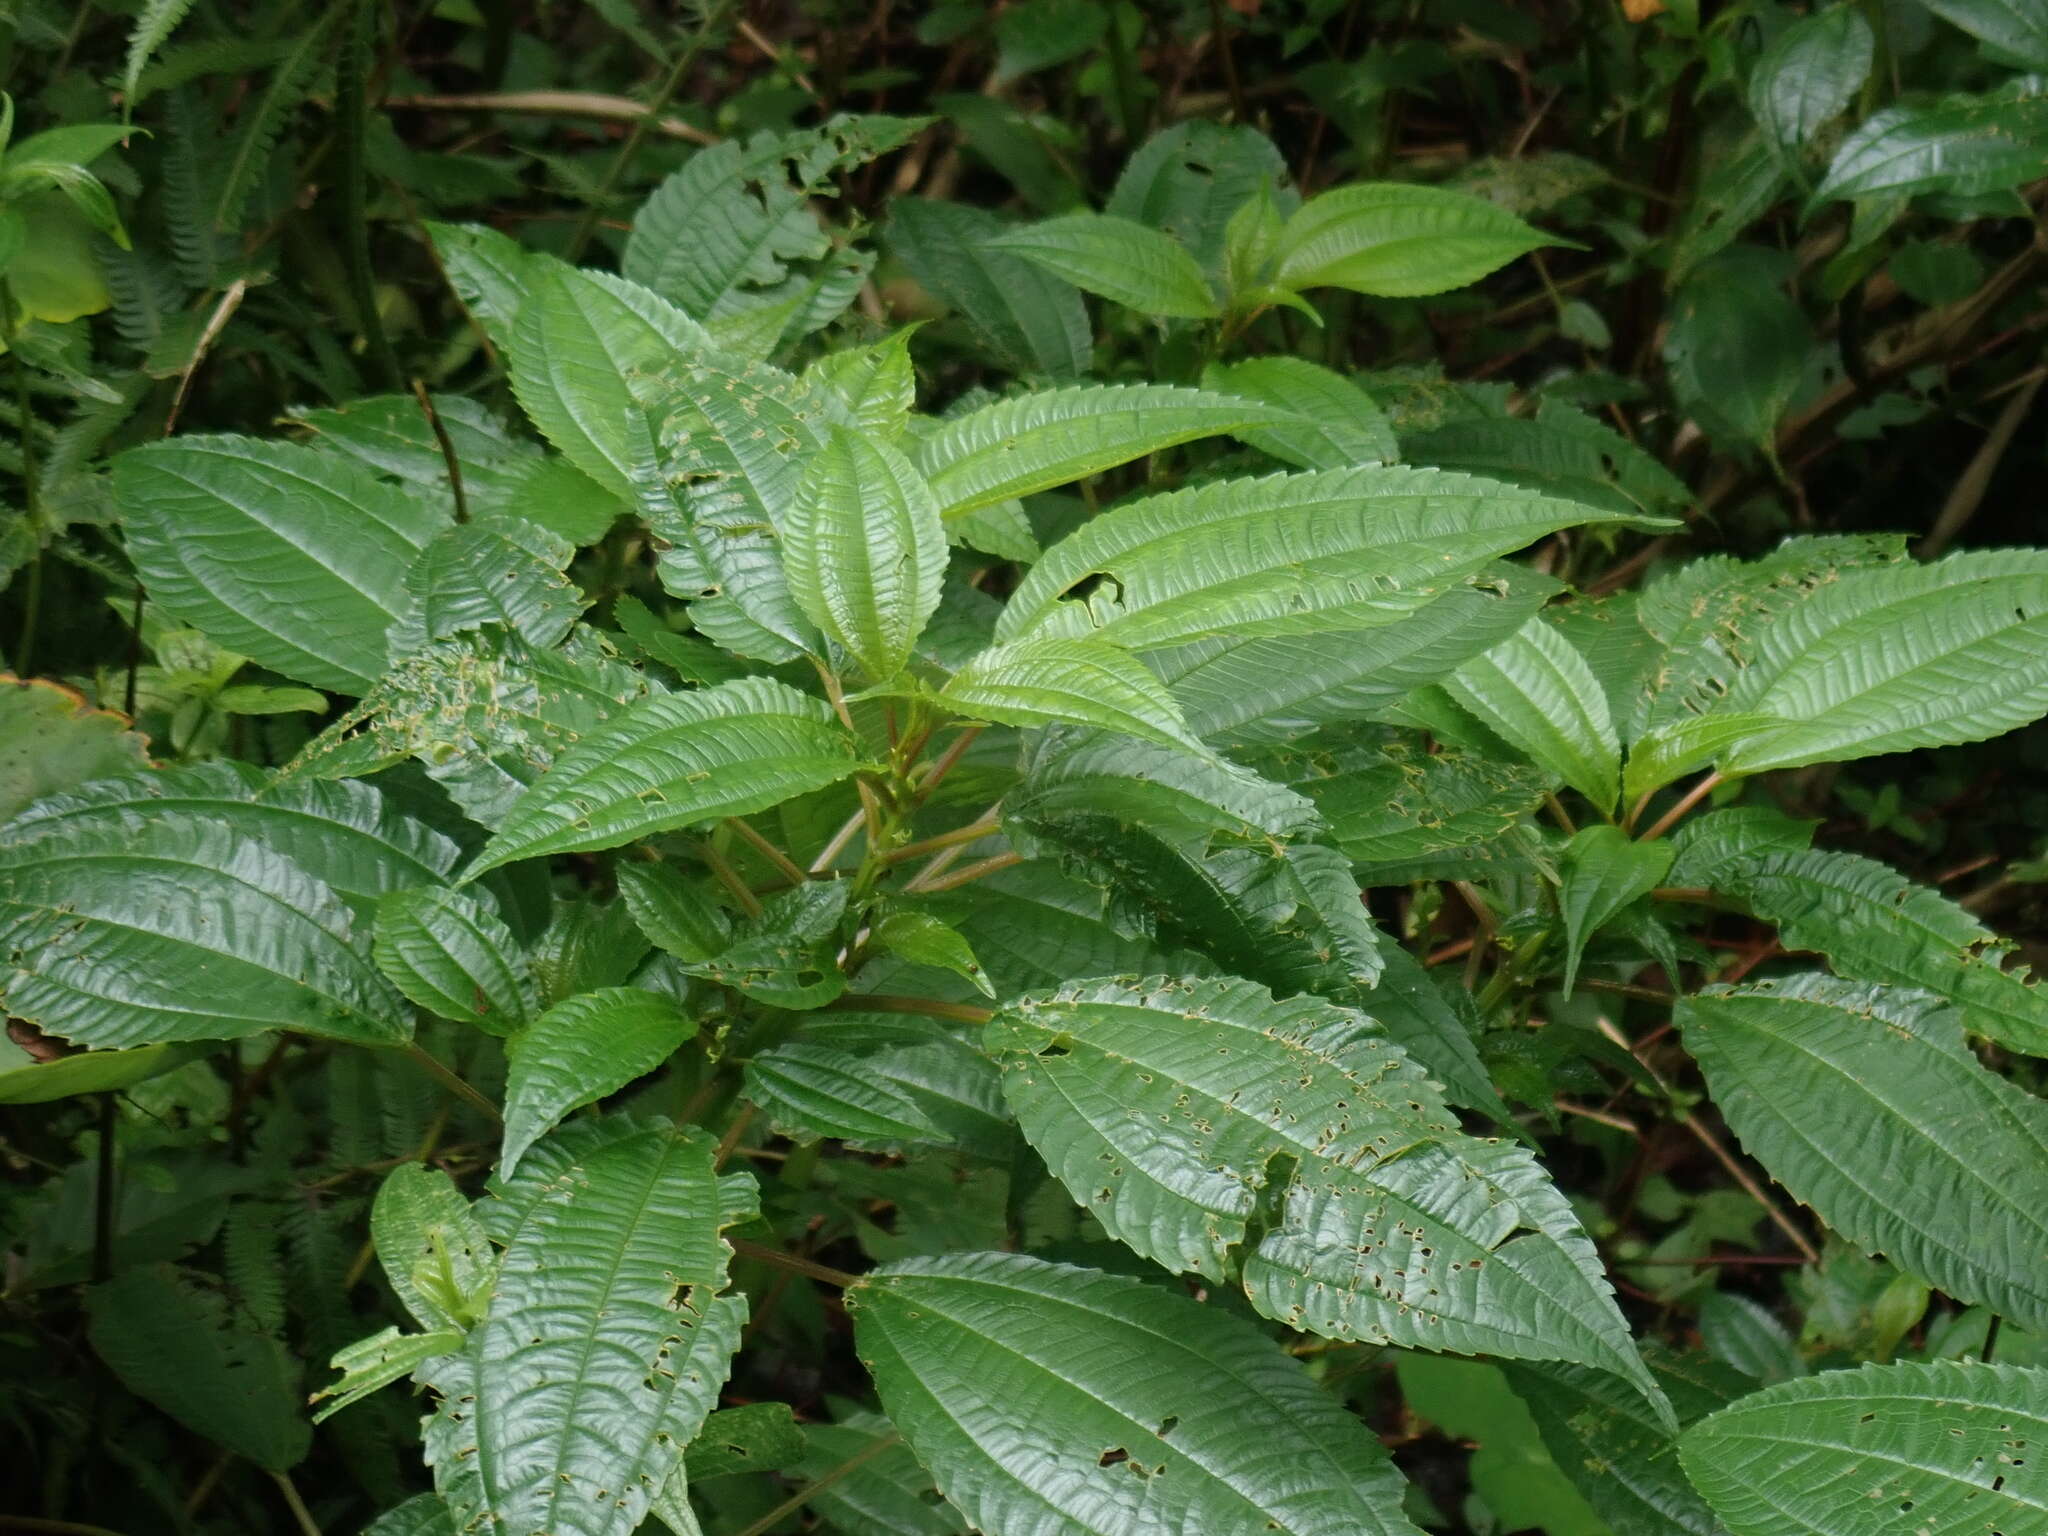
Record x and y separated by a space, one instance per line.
1035 905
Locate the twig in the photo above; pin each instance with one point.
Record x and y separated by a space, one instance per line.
774 855
224 311
1618 1122
419 393
352 86
1623 989
294 1503
832 849
968 875
620 109
103 1191
448 1078
52 1527
1750 1187
809 1268
803 1496
929 1007
1686 802
730 879
1968 492
733 1133
973 832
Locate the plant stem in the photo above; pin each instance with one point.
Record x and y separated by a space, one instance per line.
929 1007
295 1504
809 1268
448 1078
837 845
352 130
973 832
31 487
637 135
803 1496
103 1191
730 879
419 393
52 1527
967 876
774 855
1623 989
1686 802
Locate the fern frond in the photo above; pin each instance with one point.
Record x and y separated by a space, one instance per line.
153 27
259 133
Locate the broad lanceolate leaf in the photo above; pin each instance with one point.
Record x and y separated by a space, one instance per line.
1811 71
1963 145
454 956
1737 345
1339 424
606 1344
1538 693
2014 27
1132 265
122 930
675 761
502 572
1292 554
678 914
1192 1117
865 551
1395 240
580 1051
1034 442
1896 657
491 273
1866 1104
1189 179
1033 322
422 1515
889 1494
1886 1450
1047 680
810 1091
1874 924
291 557
433 1249
1047 1398
174 1341
1602 872
1098 773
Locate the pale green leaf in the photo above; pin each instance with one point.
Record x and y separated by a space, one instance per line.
451 954
676 760
1339 424
922 939
1690 742
1809 74
433 1249
501 573
371 1364
1014 1381
876 385
422 1515
580 1051
1102 773
2017 28
1125 262
1396 240
42 1082
51 740
1539 694
1602 872
1047 680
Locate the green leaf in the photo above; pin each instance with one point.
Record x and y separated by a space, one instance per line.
1536 690
154 24
175 1342
888 1494
676 760
956 1088
371 1364
788 956
454 956
809 1091
865 551
1046 680
876 385
1394 240
50 740
607 1340
492 274
1437 1026
1208 1126
1810 1070
291 557
2012 27
1885 1450
1189 179
250 699
1810 73
1339 424
1032 323
679 915
43 1082
1560 450
580 1051
501 573
1102 773
1291 554
922 939
122 931
1897 657
1011 1378
1873 924
1034 442
1602 872
391 436
422 1515
1737 346
756 1437
1125 262
1745 1335
1960 145
1671 751
433 1249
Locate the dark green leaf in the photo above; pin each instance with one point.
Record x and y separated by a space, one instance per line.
580 1051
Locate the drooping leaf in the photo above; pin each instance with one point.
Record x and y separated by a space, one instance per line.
1539 694
1396 240
1096 773
677 914
1125 262
1034 442
865 550
1811 71
1561 450
291 557
1436 1026
433 1249
674 761
369 1365
1960 145
1811 1070
607 1340
422 1515
1192 1117
956 1088
1602 872
174 1341
1032 322
1047 680
51 740
1884 1450
923 939
1340 425
1013 1381
1291 554
580 1051
124 931
809 1091
454 956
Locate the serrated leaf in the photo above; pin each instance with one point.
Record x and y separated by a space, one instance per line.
678 914
1219 1132
433 1249
291 557
1125 262
1538 693
956 1088
1690 742
1188 180
391 436
1560 450
371 1364
1960 145
500 573
888 1494
1602 871
876 385
1885 1450
922 939
1810 1070
579 1051
454 956
124 931
1395 240
607 1340
422 1515
1896 657
1010 1377
2012 27
491 273
1809 74
51 740
1047 680
1031 321
1339 424
675 761
1033 442
809 1091
1873 924
865 551
1743 1333
1437 1027
1290 554
1103 773
788 956
173 1341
